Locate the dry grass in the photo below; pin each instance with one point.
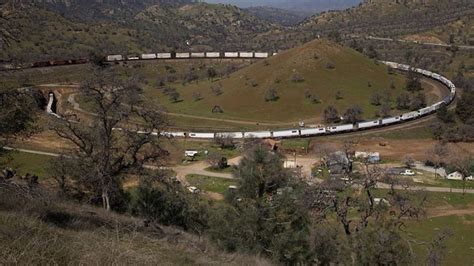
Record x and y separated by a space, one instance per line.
36 230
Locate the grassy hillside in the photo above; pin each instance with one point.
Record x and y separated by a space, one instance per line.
325 67
48 230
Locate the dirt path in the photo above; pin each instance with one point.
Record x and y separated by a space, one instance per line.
440 212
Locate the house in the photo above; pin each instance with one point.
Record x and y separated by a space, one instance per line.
455 176
290 164
371 157
338 163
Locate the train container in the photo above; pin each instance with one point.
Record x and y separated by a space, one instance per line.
426 110
261 55
341 128
133 57
198 55
231 54
213 54
201 135
173 134
390 120
258 134
410 115
246 54
163 55
182 55
369 124
438 105
148 56
312 131
234 135
116 57
286 133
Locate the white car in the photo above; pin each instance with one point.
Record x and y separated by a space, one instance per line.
408 172
194 190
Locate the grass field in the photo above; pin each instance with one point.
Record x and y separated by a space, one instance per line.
351 75
211 184
25 163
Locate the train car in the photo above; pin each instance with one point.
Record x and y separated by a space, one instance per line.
213 55
369 124
410 115
163 55
438 105
426 110
148 56
246 54
182 55
286 133
79 61
391 120
173 134
312 131
231 54
258 134
133 57
201 135
234 135
198 55
341 128
261 55
116 57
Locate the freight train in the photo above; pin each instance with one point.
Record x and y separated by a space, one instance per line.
298 132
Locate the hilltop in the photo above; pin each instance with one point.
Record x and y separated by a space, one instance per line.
319 68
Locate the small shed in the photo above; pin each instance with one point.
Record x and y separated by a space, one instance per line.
455 176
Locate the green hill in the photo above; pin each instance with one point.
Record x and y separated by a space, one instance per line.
325 67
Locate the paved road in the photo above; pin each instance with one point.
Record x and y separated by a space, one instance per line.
199 168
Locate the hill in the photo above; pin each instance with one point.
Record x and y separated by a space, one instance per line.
319 69
56 31
41 228
276 15
390 17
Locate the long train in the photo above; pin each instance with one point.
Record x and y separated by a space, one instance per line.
335 129
299 132
190 55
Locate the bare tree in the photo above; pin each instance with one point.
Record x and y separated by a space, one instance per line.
108 146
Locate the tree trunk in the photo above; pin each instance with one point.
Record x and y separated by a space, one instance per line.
105 200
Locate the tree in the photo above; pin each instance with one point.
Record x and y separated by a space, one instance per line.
408 161
418 101
437 155
385 109
296 77
217 89
353 114
403 101
216 160
376 99
197 96
102 154
445 115
271 95
18 114
331 114
211 72
174 96
412 82
225 141
339 95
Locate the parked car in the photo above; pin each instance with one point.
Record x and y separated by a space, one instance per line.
408 172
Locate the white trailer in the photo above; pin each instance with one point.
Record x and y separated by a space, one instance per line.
312 131
410 115
231 54
163 55
213 54
261 55
133 57
286 133
246 54
182 55
369 124
390 120
258 134
198 55
341 128
201 135
116 57
148 56
234 135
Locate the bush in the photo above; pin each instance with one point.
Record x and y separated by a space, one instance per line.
271 95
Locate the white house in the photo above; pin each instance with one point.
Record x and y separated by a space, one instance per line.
455 176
